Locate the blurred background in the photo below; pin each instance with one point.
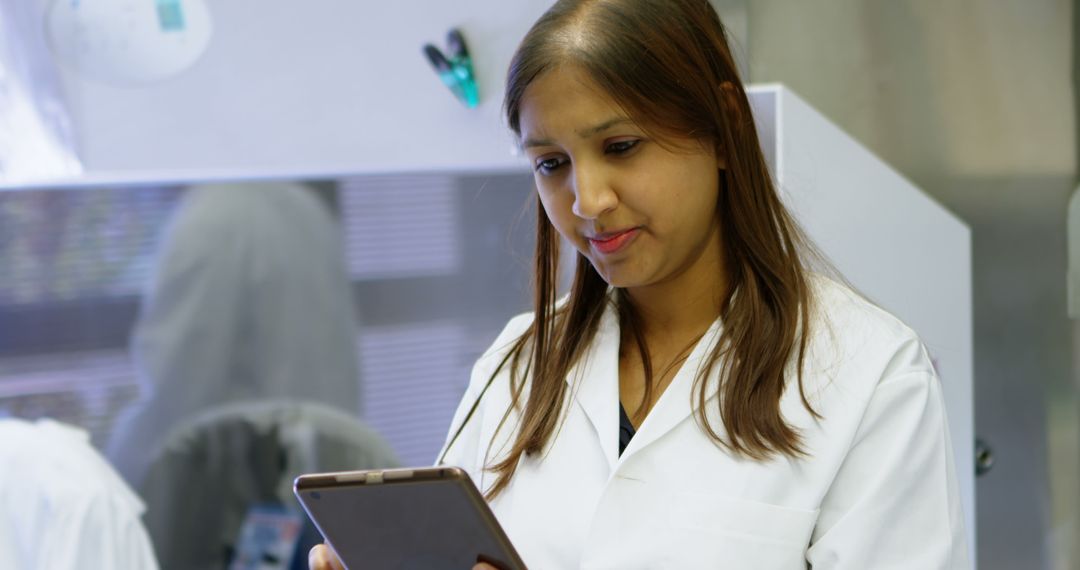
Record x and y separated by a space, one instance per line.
421 260
973 102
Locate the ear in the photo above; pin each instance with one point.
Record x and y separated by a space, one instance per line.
720 150
731 95
721 157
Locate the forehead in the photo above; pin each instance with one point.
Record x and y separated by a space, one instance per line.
564 100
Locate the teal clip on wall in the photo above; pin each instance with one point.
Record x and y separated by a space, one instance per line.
455 68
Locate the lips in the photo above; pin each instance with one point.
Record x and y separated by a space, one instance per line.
612 242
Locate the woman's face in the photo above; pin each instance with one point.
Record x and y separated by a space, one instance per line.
642 212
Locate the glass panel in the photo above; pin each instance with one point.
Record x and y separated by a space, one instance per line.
436 266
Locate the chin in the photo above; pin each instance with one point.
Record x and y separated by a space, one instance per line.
615 278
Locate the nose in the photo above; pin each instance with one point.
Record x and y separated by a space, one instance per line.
593 192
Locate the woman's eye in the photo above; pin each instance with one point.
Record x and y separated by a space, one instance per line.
621 147
547 165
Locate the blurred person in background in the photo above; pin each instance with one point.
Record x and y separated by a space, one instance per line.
249 301
62 506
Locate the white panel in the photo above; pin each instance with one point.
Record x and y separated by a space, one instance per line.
891 241
763 103
314 89
309 89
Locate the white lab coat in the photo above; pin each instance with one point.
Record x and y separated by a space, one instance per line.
249 300
62 507
877 491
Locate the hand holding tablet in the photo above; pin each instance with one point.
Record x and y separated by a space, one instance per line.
322 557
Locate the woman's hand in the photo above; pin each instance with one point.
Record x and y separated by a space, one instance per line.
323 558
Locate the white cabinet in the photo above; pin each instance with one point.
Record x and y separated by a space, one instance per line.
890 240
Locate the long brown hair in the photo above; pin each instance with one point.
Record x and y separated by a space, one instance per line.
667 63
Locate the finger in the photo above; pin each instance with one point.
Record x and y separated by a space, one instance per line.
316 559
322 557
332 557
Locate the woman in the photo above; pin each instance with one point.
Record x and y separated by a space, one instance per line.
770 417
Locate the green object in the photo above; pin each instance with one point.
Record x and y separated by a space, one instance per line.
462 82
455 71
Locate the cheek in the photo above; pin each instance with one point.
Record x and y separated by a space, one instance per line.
687 210
559 212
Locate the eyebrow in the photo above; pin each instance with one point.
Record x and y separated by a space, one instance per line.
583 133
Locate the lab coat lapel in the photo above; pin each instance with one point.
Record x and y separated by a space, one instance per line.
679 400
594 384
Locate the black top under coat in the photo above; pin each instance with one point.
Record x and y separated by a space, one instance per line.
626 429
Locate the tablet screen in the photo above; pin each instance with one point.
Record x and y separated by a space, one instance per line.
404 524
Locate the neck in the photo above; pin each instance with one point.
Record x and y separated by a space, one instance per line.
684 306
675 314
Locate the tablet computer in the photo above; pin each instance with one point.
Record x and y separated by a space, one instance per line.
430 518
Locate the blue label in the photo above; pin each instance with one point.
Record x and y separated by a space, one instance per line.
170 15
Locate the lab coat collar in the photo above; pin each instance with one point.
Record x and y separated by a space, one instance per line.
594 385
